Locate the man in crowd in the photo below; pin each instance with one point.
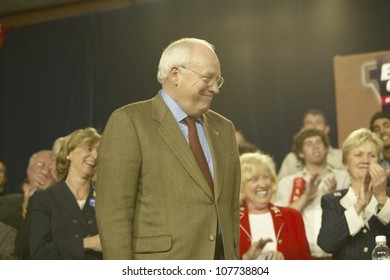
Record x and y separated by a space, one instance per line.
41 174
303 190
313 118
380 125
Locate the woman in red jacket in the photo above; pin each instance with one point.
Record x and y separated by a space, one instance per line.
267 231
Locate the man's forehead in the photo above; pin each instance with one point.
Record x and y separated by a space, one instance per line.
43 157
312 138
381 120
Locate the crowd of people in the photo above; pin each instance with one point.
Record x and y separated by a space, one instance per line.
171 179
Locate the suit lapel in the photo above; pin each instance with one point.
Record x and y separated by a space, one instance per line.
172 135
89 207
65 197
244 221
277 218
217 152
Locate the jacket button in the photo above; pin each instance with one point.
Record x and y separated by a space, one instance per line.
365 230
211 237
90 222
365 249
280 241
74 221
77 236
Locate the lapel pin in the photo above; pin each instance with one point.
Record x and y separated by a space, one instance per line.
92 202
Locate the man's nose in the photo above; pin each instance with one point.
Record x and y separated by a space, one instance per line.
94 153
214 88
44 171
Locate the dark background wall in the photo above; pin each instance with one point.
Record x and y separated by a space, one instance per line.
276 58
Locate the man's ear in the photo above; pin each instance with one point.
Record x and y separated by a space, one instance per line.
174 75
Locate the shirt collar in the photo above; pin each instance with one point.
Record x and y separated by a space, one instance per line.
178 113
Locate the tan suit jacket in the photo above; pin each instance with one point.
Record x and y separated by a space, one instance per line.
152 200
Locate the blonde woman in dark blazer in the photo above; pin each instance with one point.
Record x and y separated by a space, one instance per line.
62 218
352 217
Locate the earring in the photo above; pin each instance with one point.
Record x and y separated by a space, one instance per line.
67 157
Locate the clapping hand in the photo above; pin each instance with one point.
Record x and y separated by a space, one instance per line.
330 184
256 250
378 180
365 193
312 188
374 183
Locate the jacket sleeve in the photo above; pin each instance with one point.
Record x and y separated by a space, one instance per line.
334 230
117 183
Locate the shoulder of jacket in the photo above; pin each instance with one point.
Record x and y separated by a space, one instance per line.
339 193
216 117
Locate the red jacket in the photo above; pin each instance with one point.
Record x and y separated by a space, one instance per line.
289 230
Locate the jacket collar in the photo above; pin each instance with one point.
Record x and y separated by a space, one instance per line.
64 196
172 135
277 217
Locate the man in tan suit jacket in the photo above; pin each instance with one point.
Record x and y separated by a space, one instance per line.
152 201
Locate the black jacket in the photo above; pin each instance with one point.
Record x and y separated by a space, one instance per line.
334 236
57 225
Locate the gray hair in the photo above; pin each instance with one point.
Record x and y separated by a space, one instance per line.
176 54
32 159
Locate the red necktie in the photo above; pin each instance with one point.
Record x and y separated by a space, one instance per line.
198 151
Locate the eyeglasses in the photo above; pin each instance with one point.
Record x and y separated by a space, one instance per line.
209 80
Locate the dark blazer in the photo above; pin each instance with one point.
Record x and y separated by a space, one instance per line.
152 200
334 236
289 230
57 225
10 209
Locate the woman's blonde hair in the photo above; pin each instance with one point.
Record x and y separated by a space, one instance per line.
254 163
87 137
357 138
